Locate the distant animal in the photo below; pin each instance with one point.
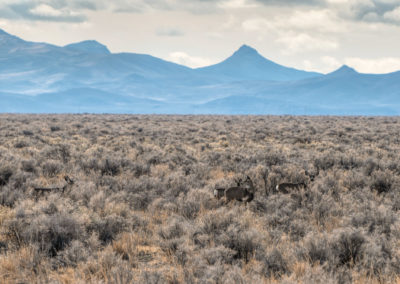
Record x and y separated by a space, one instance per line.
38 191
220 192
243 192
288 187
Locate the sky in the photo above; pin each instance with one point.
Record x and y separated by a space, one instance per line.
315 35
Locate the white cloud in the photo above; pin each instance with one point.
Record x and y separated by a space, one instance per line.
294 43
40 10
318 20
380 65
315 21
393 15
327 64
236 4
256 24
370 11
229 23
300 31
45 11
169 32
308 65
324 64
337 1
330 63
187 60
295 33
371 17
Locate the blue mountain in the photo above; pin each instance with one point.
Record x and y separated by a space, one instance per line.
344 71
89 46
247 64
342 92
87 77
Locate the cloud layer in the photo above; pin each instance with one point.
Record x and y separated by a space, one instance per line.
385 11
313 34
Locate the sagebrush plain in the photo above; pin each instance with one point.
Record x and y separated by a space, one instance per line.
141 207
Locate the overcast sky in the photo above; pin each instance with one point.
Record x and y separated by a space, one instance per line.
318 35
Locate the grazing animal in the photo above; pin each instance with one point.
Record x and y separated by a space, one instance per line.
220 192
288 187
41 190
243 192
236 193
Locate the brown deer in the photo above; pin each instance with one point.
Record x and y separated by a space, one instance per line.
38 191
288 187
220 192
243 192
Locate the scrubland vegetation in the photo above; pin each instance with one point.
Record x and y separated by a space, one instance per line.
141 209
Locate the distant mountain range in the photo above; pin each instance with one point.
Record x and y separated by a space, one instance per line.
87 77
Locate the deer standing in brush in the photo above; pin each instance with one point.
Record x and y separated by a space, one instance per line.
244 191
38 191
220 192
288 187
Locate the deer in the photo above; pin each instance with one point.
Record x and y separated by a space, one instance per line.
243 192
288 187
42 190
220 192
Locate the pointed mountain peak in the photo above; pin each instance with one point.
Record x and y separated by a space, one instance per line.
90 46
246 50
247 55
344 70
247 64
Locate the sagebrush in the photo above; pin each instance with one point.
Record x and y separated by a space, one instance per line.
141 207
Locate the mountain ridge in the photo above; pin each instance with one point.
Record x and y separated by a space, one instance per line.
87 77
246 63
89 46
